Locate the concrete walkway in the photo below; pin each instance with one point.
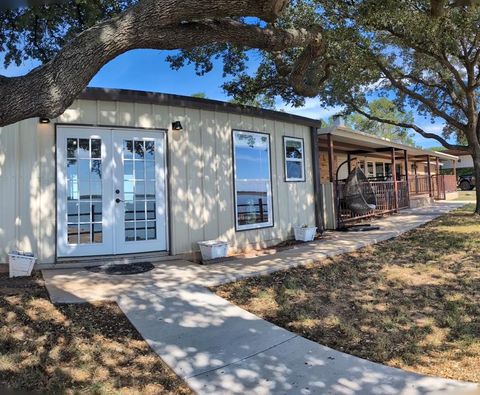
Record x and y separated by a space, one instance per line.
219 348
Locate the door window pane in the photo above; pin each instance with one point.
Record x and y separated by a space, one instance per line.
151 230
96 171
84 148
72 169
139 170
150 170
72 145
72 190
139 190
151 212
140 231
72 233
150 150
96 148
139 210
85 212
129 231
129 211
97 233
84 191
83 169
85 234
253 193
72 212
128 170
97 211
139 148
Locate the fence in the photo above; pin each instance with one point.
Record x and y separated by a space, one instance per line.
437 185
385 196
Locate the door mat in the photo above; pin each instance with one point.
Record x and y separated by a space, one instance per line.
122 268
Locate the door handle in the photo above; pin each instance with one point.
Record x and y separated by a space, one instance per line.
118 200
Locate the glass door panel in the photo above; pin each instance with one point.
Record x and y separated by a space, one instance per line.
82 194
111 191
140 199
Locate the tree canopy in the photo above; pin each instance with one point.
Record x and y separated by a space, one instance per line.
424 55
385 109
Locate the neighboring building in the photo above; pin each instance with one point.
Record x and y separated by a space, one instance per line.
401 175
124 172
465 161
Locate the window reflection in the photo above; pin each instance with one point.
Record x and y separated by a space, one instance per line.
139 190
84 191
252 180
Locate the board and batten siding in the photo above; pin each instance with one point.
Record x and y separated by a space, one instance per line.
200 172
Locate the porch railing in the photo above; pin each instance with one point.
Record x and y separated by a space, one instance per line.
386 202
419 185
439 186
450 182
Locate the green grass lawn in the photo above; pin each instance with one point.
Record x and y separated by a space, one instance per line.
466 196
73 349
412 302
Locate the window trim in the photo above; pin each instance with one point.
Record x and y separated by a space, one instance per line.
263 225
285 160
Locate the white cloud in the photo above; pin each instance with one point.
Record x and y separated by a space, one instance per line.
433 128
311 109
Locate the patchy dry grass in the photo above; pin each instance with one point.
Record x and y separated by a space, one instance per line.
412 302
466 196
88 348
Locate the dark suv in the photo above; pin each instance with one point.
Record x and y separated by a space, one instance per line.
466 183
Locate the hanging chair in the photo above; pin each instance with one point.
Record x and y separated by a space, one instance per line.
359 195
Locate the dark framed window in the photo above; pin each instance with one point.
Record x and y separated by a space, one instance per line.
294 157
252 180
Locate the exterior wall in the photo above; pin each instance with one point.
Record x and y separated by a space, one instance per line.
200 173
464 162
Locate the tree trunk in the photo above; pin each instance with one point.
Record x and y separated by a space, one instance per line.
476 173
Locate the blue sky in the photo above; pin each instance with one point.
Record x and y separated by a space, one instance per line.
148 70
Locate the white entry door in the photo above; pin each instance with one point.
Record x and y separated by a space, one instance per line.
111 194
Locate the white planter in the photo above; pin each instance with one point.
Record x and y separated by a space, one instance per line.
212 249
20 264
305 234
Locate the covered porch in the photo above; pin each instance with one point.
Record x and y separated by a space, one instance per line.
401 176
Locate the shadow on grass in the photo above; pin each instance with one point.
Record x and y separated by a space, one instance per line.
89 348
411 302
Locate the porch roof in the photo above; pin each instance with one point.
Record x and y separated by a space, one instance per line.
350 140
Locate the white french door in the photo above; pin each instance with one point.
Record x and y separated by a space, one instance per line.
111 191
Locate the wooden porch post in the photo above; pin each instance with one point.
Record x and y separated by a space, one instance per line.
437 166
429 173
316 179
330 156
407 178
416 178
455 168
395 185
349 162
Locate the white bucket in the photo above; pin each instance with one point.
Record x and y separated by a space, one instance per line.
213 249
20 264
304 234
